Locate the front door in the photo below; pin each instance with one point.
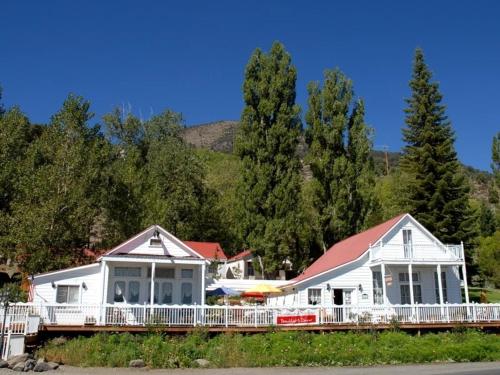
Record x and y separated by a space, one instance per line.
338 296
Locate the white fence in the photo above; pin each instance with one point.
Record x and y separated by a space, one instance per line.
22 317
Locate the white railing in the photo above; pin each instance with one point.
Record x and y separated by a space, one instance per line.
24 318
416 252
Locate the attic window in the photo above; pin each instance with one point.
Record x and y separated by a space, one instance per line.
155 242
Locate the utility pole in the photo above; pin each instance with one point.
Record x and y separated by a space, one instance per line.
385 149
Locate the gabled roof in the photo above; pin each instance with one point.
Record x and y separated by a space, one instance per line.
347 250
147 233
240 255
209 250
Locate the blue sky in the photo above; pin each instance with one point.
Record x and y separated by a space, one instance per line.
190 57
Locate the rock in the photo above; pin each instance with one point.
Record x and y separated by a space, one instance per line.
136 363
19 366
202 362
14 360
59 341
53 365
3 363
42 366
40 360
29 365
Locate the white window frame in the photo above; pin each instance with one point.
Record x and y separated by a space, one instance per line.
310 298
67 295
417 285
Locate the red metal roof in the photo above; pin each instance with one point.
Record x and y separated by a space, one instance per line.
208 250
241 255
347 250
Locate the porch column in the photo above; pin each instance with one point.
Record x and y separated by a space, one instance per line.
152 290
203 270
440 284
466 288
384 289
104 290
410 278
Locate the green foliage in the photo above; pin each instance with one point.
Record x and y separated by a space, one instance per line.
495 158
487 220
340 157
275 349
60 190
161 177
487 258
269 185
438 194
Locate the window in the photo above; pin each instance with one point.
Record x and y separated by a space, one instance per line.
378 292
347 297
404 285
119 291
134 288
166 292
155 242
156 291
127 271
68 294
250 269
314 296
187 293
163 273
407 243
187 273
443 285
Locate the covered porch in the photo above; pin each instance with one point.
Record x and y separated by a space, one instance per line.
400 282
139 280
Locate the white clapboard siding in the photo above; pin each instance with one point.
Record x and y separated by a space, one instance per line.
90 275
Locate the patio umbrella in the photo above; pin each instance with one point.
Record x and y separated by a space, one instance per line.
223 291
264 289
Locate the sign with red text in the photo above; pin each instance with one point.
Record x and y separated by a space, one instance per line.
296 319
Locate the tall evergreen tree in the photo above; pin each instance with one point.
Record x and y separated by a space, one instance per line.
439 192
339 156
269 186
495 158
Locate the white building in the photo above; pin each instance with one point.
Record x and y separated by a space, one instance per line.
396 262
152 267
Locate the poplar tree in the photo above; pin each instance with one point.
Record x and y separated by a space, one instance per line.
339 156
439 192
269 185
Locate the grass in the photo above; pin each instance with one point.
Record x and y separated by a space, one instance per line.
493 295
274 349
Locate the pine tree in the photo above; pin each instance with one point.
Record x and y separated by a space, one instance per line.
439 193
495 158
339 157
269 186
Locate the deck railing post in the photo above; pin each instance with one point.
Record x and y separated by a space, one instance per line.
255 315
144 314
447 313
226 316
474 312
417 313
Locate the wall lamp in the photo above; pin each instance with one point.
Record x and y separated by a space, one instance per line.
84 286
53 284
360 287
328 287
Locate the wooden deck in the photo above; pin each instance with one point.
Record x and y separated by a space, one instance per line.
62 329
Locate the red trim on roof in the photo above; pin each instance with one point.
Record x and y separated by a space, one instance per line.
208 250
347 250
241 255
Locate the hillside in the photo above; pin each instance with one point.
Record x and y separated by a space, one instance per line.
219 136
